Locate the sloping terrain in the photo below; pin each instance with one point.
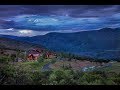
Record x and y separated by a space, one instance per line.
14 44
103 43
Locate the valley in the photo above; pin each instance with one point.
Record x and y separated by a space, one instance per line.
102 44
16 69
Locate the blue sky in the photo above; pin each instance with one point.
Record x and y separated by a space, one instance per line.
32 20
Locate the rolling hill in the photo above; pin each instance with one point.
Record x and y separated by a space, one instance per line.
103 43
7 43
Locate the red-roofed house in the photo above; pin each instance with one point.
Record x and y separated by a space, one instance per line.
33 54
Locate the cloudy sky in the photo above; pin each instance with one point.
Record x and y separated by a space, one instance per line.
31 20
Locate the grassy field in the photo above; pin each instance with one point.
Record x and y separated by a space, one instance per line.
75 65
114 68
32 66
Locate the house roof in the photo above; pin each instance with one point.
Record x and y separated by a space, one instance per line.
33 52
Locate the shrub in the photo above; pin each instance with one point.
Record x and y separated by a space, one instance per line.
41 59
53 60
62 77
4 59
90 78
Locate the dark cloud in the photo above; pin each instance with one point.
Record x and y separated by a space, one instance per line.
95 11
47 18
71 10
9 10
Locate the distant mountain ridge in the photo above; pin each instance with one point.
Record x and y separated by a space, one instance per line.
18 45
103 43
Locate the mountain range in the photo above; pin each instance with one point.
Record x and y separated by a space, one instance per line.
7 43
103 43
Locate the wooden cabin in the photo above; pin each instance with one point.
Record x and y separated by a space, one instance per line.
33 54
50 55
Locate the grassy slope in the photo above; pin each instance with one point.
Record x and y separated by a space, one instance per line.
32 66
114 68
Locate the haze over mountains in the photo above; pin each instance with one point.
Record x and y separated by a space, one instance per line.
103 43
